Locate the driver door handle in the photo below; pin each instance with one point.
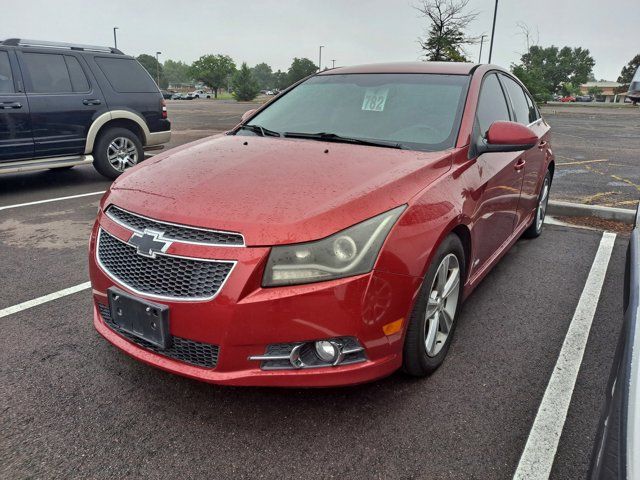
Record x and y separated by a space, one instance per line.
8 105
520 164
543 144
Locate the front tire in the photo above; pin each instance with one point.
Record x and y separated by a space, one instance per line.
116 150
435 313
535 229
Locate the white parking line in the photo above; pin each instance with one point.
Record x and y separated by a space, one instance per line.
539 452
44 299
58 199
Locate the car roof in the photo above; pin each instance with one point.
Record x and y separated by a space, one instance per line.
451 68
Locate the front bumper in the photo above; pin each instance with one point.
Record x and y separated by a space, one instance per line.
244 318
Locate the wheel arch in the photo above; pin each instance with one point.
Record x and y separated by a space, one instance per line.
552 168
117 118
464 234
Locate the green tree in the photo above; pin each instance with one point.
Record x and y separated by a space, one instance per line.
299 69
245 86
445 38
213 71
629 70
280 80
263 75
594 91
152 66
176 72
545 70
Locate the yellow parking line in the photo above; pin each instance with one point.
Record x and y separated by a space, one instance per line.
583 161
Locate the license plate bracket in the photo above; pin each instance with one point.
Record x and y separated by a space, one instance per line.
146 320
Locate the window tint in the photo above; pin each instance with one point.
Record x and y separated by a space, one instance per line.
533 110
492 106
6 79
126 75
48 73
518 100
78 78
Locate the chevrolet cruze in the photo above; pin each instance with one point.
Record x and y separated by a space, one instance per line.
331 237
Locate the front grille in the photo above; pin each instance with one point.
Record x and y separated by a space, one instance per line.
164 276
182 349
178 233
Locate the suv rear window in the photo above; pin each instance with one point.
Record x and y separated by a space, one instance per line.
126 75
6 79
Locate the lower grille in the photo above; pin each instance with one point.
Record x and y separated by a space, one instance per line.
182 349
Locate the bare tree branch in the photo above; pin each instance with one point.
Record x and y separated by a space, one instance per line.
445 37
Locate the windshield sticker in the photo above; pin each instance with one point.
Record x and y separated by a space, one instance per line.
374 99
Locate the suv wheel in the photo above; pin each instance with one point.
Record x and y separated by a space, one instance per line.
116 150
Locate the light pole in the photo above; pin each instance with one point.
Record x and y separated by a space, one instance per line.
115 39
481 43
320 58
333 64
493 30
158 67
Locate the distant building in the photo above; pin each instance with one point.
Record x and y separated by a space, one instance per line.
608 91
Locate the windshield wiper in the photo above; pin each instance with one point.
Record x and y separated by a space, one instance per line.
334 137
260 130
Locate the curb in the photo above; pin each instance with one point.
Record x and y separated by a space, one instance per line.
566 209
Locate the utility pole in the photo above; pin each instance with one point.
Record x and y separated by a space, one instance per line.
333 64
115 39
481 43
320 58
493 30
158 67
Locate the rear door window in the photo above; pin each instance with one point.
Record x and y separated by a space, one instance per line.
48 73
6 78
534 114
492 106
518 100
126 75
79 80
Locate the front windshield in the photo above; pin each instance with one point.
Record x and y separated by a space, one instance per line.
417 111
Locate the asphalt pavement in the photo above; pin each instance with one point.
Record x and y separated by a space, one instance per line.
72 406
596 151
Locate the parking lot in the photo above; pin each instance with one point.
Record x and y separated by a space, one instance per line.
72 406
596 150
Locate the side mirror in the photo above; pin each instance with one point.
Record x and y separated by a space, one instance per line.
507 137
248 113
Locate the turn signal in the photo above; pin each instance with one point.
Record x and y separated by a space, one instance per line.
393 327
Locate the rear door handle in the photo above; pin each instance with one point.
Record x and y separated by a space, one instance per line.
543 144
520 164
8 105
92 101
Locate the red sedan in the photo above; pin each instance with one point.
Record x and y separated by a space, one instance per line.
332 236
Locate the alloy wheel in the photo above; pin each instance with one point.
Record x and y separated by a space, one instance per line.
542 204
122 154
442 304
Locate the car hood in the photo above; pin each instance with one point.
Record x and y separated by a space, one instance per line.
274 190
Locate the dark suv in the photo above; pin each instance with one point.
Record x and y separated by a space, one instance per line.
63 105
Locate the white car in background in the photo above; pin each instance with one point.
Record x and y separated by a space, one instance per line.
200 94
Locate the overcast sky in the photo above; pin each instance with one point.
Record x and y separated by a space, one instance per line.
352 31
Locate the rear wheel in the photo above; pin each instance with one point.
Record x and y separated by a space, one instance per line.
116 150
434 316
535 229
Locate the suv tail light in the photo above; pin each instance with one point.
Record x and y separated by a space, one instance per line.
164 108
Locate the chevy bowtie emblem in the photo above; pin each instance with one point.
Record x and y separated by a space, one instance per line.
149 243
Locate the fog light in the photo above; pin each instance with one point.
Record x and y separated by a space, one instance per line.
327 351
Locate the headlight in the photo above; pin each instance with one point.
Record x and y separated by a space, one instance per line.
350 252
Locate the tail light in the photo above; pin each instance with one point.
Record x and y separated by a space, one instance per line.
164 108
